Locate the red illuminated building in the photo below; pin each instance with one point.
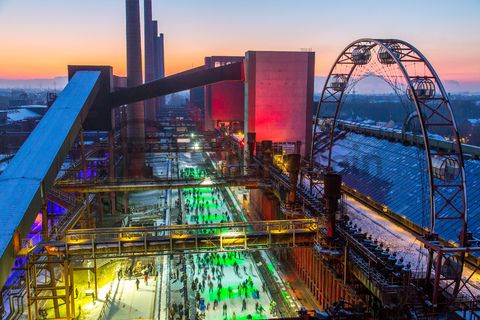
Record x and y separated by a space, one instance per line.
224 101
279 87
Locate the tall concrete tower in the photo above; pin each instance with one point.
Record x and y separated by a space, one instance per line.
159 61
150 112
135 111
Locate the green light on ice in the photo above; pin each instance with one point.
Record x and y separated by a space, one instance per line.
270 267
255 316
212 296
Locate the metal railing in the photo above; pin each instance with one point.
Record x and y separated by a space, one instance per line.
233 175
176 239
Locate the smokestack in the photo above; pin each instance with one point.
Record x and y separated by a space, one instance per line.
161 66
135 111
161 57
158 53
150 112
155 58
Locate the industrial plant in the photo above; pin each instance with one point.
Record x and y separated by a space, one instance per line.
231 191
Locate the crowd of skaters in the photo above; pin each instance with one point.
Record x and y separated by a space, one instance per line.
192 173
147 272
208 272
205 206
198 207
178 273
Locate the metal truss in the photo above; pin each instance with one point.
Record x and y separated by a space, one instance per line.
402 65
181 239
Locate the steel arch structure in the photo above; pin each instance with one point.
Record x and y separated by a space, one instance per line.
423 87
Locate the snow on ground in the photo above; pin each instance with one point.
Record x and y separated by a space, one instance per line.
130 303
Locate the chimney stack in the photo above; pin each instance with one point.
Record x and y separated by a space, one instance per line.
159 61
135 111
150 112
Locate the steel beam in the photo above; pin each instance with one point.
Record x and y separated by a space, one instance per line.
144 185
180 239
182 81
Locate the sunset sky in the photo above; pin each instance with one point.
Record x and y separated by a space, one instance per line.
40 38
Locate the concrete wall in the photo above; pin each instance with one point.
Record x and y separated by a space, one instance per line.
279 95
227 101
224 101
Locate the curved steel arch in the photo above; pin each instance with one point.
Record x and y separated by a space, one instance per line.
447 198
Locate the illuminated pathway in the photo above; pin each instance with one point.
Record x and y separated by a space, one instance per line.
215 210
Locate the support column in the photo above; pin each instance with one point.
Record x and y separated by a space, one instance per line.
346 254
100 208
85 220
45 222
125 160
69 290
111 170
267 157
333 185
125 203
251 146
436 283
298 147
96 277
293 169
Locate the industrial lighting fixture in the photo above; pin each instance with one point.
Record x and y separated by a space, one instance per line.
206 182
232 234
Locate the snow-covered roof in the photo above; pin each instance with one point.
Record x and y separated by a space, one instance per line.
21 114
33 106
474 122
394 174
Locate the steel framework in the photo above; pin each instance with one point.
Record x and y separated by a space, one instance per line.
424 88
180 239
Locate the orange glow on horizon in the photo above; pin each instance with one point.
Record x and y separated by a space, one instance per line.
18 69
40 38
19 62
